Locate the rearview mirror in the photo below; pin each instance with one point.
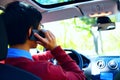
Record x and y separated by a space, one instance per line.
106 26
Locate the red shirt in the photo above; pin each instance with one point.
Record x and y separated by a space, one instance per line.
40 66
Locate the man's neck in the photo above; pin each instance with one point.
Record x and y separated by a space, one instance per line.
21 46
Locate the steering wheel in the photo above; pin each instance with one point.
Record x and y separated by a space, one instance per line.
75 56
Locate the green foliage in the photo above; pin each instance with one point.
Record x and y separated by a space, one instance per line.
77 35
88 21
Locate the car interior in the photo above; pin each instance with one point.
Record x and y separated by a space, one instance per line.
97 48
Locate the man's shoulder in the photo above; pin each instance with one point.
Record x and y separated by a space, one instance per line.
24 63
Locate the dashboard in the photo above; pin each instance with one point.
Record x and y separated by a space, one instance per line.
102 67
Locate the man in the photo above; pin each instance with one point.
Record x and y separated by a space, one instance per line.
20 21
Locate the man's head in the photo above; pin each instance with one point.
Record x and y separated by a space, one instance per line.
19 17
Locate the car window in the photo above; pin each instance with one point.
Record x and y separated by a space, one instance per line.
1 11
56 3
49 2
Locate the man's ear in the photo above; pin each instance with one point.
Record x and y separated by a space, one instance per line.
30 32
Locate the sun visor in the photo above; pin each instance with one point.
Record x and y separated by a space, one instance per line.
61 14
99 8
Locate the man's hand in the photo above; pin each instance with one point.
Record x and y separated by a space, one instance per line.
49 42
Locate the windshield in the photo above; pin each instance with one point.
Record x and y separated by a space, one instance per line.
111 41
74 34
79 34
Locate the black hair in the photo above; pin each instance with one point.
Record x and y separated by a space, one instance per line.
19 17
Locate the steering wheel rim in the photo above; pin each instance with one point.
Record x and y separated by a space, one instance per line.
78 57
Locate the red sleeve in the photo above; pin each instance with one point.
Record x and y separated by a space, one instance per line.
42 56
72 71
67 70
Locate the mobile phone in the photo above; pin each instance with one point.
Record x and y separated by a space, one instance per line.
40 32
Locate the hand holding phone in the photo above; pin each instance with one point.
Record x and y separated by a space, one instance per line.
40 32
49 42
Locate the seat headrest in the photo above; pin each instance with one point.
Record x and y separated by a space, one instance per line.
3 40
